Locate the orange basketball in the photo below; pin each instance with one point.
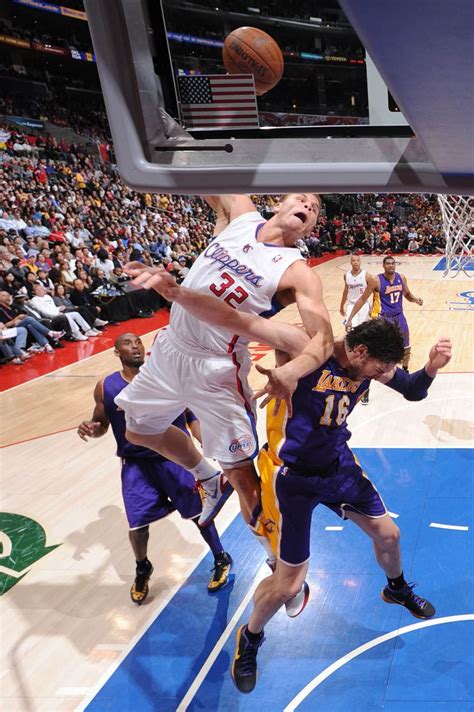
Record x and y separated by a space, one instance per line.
249 50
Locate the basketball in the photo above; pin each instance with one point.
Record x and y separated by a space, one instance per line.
249 50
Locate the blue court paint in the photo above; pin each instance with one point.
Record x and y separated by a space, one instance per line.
467 264
425 670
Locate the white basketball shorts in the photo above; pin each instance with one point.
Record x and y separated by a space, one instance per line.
361 316
215 388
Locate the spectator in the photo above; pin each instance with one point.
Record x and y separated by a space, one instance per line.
413 245
45 305
40 334
80 297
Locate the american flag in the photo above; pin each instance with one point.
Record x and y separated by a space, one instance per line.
218 101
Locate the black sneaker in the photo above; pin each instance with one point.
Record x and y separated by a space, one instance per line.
418 606
139 590
220 573
244 667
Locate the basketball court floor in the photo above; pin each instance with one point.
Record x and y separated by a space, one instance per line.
72 640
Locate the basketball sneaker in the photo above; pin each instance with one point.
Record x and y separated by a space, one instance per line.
244 667
140 587
295 605
220 573
418 606
214 491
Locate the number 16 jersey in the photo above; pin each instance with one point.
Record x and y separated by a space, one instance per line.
242 272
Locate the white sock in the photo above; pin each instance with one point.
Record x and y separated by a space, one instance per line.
204 470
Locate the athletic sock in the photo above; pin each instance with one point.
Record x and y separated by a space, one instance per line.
144 565
396 584
253 637
204 470
211 537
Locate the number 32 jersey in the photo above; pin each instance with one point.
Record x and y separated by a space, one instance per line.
242 272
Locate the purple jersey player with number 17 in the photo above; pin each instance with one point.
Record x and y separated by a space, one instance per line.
388 289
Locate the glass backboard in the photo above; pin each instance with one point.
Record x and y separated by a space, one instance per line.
329 124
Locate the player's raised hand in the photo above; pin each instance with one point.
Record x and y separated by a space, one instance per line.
279 387
88 429
440 355
135 269
162 282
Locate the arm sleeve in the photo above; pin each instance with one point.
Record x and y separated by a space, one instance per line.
413 386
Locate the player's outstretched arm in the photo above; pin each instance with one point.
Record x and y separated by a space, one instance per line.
414 386
372 286
343 298
229 207
282 381
99 423
212 310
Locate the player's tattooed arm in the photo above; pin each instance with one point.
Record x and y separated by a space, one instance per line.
99 423
373 285
408 295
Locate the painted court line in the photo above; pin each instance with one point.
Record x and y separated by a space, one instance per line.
393 515
301 696
334 529
128 647
200 677
456 528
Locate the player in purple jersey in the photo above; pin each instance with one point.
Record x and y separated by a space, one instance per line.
388 289
307 462
152 486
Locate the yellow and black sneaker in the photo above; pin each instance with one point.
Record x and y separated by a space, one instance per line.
220 573
244 667
139 590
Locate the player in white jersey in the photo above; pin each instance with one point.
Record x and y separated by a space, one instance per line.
252 265
355 284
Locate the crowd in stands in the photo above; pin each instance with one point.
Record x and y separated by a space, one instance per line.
68 225
88 121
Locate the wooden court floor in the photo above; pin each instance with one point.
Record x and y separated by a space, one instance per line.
68 619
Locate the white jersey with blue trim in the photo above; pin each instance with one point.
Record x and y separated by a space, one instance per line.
239 270
356 285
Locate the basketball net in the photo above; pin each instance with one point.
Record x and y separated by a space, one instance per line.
458 221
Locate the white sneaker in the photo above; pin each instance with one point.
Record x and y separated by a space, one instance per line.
35 349
215 491
49 349
100 322
56 335
80 337
296 605
91 332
